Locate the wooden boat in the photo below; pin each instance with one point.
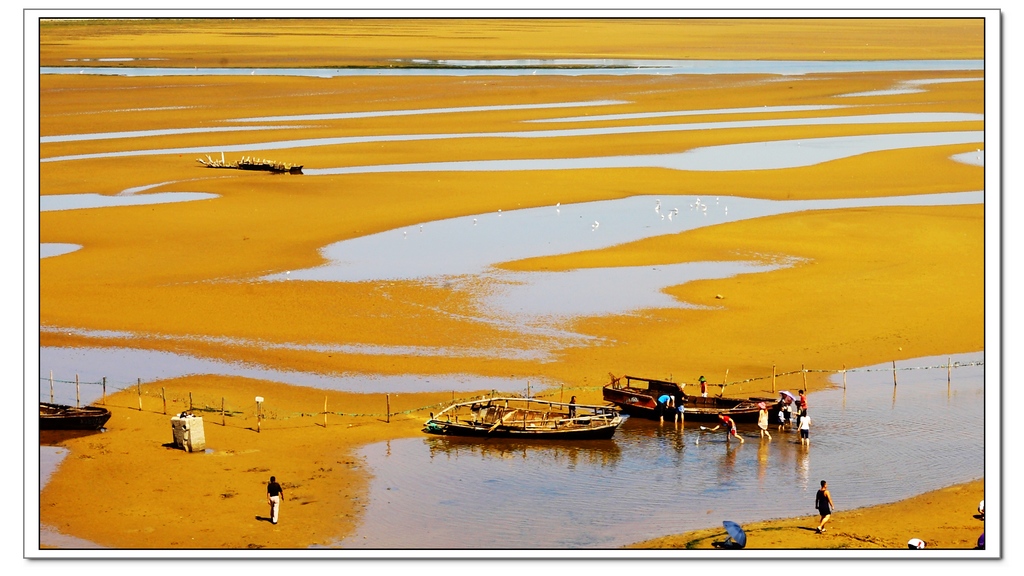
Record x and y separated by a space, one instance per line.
525 418
639 397
249 163
62 417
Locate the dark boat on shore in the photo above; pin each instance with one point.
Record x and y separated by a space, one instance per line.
525 419
249 163
63 417
639 397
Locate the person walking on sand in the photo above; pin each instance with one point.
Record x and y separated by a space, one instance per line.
730 428
275 494
823 502
703 387
762 421
805 428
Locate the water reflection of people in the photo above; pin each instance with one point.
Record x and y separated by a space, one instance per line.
803 467
762 461
728 462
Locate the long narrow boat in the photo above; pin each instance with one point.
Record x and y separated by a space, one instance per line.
525 418
63 417
639 397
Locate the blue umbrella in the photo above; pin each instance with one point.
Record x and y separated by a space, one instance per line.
735 533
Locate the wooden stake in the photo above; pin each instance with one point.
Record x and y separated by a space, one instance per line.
725 381
894 375
78 396
259 412
325 411
773 378
104 389
387 399
189 401
51 386
163 396
138 388
949 375
844 376
803 372
222 422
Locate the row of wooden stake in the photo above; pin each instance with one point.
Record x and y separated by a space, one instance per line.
387 397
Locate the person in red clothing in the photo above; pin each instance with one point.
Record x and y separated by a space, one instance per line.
730 428
803 401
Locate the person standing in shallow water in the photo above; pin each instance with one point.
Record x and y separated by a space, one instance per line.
275 494
703 387
805 428
823 502
762 421
730 430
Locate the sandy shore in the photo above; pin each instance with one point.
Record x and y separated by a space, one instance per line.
181 278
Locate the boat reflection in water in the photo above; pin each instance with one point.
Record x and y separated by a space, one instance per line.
558 453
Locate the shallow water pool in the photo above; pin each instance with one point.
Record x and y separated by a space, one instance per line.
651 479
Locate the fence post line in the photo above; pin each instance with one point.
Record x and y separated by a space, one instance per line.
104 389
894 375
387 400
78 395
138 388
163 396
51 386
